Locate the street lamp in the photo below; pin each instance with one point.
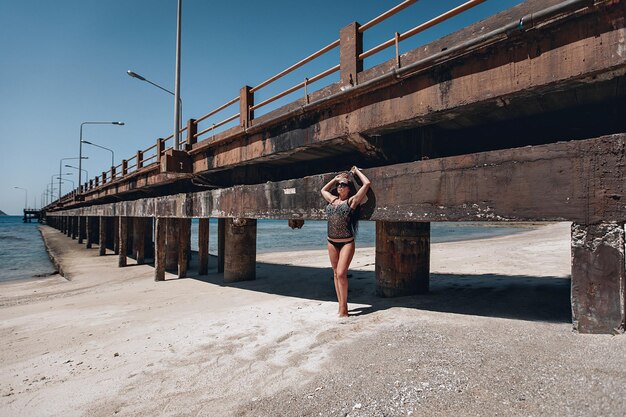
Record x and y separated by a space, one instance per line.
80 145
177 110
49 192
60 169
180 103
52 178
102 147
25 196
65 179
80 170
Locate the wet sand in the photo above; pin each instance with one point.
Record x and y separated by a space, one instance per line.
493 337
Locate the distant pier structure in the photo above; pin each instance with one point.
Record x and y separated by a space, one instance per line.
32 214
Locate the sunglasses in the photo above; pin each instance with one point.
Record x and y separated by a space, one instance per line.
343 184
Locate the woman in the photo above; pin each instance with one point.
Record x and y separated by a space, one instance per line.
342 221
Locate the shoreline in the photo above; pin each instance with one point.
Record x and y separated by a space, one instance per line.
53 259
493 336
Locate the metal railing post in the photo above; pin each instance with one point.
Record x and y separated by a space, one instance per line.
350 47
192 129
246 100
139 160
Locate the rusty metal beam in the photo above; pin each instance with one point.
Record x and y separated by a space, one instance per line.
581 181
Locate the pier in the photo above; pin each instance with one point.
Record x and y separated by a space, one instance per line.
32 214
518 117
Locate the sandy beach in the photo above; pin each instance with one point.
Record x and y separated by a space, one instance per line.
493 337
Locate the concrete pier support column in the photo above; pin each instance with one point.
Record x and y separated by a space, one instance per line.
171 245
110 238
221 232
90 232
123 238
102 236
184 246
81 229
160 232
148 241
402 258
240 250
598 278
130 243
139 239
75 227
68 229
116 235
203 247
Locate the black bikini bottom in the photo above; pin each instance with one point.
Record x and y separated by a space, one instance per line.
339 245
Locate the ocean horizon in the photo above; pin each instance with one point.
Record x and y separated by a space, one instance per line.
23 254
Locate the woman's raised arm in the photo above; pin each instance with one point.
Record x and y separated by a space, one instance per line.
360 195
326 190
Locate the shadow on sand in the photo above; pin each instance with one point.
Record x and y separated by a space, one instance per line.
516 297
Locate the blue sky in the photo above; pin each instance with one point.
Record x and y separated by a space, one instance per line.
64 62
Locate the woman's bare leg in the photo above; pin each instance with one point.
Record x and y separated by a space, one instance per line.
333 254
341 277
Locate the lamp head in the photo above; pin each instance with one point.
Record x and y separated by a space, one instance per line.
135 75
118 123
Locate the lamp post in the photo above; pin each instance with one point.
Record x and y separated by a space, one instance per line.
25 195
179 101
60 169
52 178
80 170
65 179
49 192
102 147
177 79
80 145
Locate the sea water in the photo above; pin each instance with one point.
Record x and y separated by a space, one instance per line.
22 252
277 236
23 255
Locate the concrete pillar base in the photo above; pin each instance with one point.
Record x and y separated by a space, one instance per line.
139 239
184 246
81 229
123 238
171 245
160 232
203 246
90 232
402 258
598 278
221 232
240 250
102 238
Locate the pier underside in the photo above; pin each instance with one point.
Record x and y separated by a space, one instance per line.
516 118
550 182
